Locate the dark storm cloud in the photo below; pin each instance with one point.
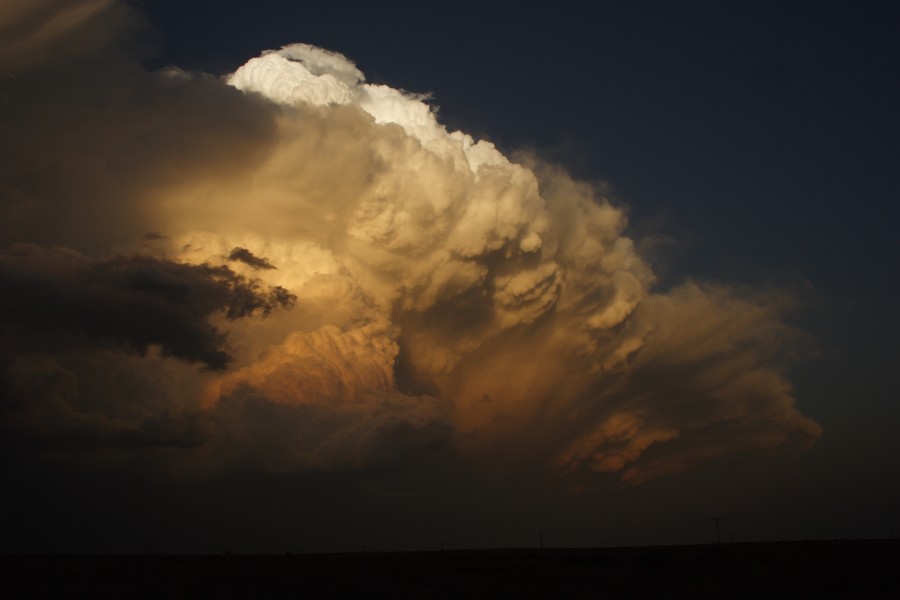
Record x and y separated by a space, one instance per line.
128 302
57 400
49 30
101 354
245 256
251 430
90 138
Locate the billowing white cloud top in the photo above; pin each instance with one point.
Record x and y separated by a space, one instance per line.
301 73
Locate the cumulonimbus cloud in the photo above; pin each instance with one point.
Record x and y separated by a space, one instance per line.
444 293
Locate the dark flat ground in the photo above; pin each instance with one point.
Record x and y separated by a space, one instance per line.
834 569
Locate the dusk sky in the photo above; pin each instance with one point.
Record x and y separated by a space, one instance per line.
296 276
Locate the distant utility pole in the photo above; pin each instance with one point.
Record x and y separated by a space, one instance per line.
718 533
541 534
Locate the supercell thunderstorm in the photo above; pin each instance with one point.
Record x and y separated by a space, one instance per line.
292 269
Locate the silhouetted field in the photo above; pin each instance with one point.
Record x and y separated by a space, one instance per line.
837 569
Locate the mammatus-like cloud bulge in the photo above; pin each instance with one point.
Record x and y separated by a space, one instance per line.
445 295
